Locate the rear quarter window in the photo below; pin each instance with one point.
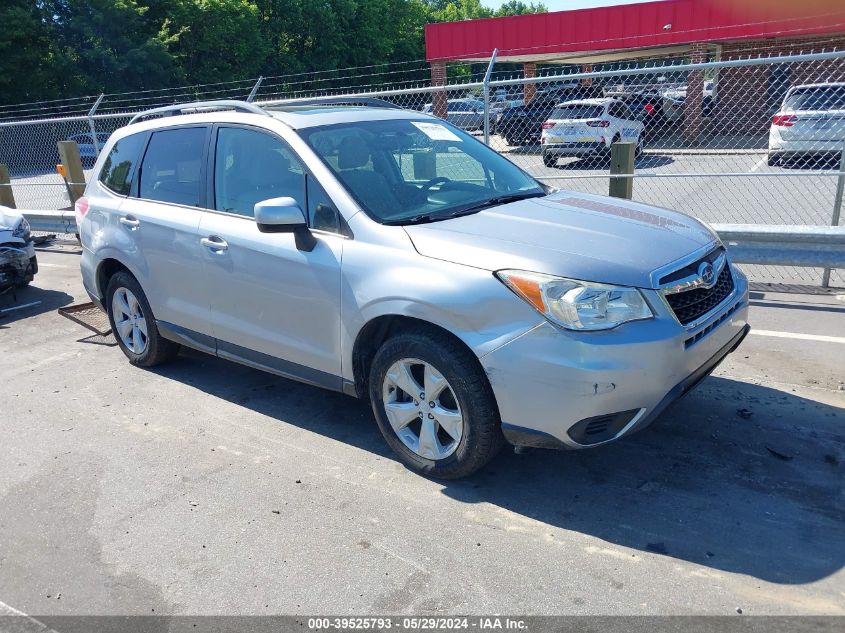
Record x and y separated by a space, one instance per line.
117 171
817 98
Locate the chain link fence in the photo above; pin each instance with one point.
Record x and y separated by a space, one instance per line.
756 141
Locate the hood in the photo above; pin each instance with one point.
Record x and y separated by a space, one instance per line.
9 219
591 238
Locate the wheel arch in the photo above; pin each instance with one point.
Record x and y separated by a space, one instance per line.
106 269
379 329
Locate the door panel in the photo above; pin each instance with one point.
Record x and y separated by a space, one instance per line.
164 226
272 298
272 305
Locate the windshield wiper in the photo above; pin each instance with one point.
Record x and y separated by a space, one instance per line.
425 218
496 201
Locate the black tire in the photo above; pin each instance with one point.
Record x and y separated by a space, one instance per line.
158 350
512 140
773 160
549 160
638 151
482 430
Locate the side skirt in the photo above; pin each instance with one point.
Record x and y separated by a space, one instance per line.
251 358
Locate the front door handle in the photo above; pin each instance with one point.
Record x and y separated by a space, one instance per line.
131 221
214 243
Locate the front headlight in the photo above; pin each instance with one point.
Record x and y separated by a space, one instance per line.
577 305
22 230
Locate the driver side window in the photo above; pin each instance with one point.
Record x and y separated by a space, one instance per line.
251 166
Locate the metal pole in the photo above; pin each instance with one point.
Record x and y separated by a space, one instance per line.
487 96
837 207
254 90
91 124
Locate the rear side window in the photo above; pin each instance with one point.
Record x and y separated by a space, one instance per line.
120 164
818 98
172 166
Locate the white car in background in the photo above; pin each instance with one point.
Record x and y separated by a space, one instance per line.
587 127
811 121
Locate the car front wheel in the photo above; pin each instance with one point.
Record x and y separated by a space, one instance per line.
434 405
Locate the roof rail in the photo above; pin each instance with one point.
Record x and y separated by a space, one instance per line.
335 101
197 106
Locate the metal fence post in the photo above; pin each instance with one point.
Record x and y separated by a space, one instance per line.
622 167
486 89
91 124
254 90
7 196
837 207
69 155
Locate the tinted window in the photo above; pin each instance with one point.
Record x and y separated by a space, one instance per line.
117 170
577 112
172 166
251 166
819 98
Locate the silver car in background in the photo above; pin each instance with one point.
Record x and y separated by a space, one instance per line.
810 122
388 255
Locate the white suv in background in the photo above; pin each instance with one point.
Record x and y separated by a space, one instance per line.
810 122
589 127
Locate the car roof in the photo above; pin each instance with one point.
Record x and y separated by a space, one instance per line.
594 102
828 84
292 115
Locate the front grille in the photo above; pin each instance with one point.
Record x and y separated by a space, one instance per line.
692 304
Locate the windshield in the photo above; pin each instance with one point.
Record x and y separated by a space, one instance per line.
577 111
818 98
403 171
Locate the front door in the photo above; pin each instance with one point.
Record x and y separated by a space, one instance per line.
273 306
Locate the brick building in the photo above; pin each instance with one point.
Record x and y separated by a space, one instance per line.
695 30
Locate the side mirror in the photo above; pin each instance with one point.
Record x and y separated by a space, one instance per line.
284 215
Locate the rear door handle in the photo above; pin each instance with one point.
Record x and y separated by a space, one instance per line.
214 243
131 221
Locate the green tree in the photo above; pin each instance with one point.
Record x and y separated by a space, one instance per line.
215 40
29 67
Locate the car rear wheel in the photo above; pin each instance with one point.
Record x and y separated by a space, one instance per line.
774 160
549 160
434 405
134 325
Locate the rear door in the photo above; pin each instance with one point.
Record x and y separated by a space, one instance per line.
160 224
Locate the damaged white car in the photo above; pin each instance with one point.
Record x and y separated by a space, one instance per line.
18 264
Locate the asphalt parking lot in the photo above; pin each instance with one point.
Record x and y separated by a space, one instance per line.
204 487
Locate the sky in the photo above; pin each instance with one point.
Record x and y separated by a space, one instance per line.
563 5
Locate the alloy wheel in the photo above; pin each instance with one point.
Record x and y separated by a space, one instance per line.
422 408
129 320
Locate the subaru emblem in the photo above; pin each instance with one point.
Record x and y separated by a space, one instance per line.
707 274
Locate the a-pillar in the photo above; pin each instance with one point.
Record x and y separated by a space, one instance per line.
529 70
439 98
693 117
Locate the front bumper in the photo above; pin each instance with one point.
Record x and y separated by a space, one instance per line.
563 389
18 265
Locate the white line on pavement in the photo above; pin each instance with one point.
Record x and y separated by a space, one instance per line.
32 624
803 337
21 307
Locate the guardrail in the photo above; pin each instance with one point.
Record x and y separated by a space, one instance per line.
785 245
778 245
51 221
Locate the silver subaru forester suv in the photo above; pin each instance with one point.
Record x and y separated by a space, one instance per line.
388 255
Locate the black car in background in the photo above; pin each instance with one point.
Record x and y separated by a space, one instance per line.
647 107
522 124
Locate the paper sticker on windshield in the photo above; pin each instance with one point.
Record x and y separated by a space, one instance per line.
435 131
